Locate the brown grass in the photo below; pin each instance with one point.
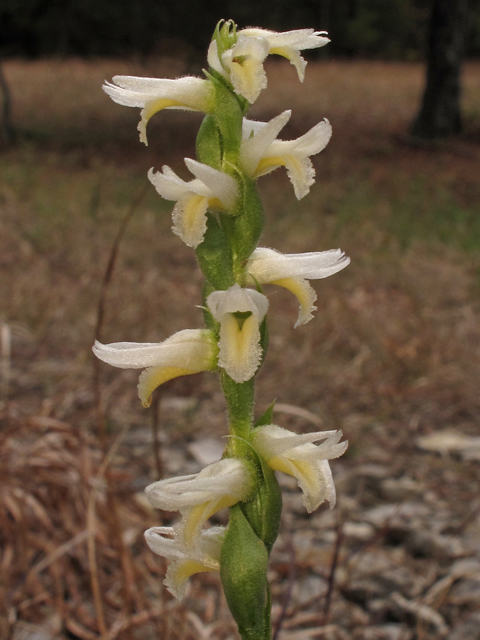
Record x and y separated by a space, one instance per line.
392 354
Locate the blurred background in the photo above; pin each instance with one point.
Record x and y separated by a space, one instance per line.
391 358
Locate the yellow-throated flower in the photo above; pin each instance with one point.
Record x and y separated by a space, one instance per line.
211 189
240 312
204 555
293 270
289 44
242 64
186 352
199 496
308 463
262 153
154 94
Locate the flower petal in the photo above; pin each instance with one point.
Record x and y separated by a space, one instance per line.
267 265
186 352
221 185
155 94
221 484
255 146
237 299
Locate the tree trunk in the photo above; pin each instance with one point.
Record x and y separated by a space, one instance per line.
440 111
6 119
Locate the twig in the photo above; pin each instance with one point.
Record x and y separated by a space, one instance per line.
5 359
107 277
126 566
288 592
97 598
6 109
331 577
157 455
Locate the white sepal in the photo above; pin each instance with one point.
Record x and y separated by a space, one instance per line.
211 189
155 94
199 496
204 555
267 266
240 350
186 352
297 456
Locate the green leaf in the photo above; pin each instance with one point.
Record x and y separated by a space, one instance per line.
215 257
209 145
244 230
264 510
266 417
229 117
243 570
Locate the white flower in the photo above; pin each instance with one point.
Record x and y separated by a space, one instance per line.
289 44
210 189
242 65
204 555
155 94
186 352
296 455
199 496
261 153
240 351
293 270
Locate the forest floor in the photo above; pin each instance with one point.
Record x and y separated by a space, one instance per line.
392 358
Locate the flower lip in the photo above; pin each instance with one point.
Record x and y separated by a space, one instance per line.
240 352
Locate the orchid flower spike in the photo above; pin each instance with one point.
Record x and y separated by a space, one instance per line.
297 456
199 496
186 352
289 44
155 94
203 556
211 189
292 271
262 153
240 312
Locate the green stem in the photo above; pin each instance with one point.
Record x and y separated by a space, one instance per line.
240 399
